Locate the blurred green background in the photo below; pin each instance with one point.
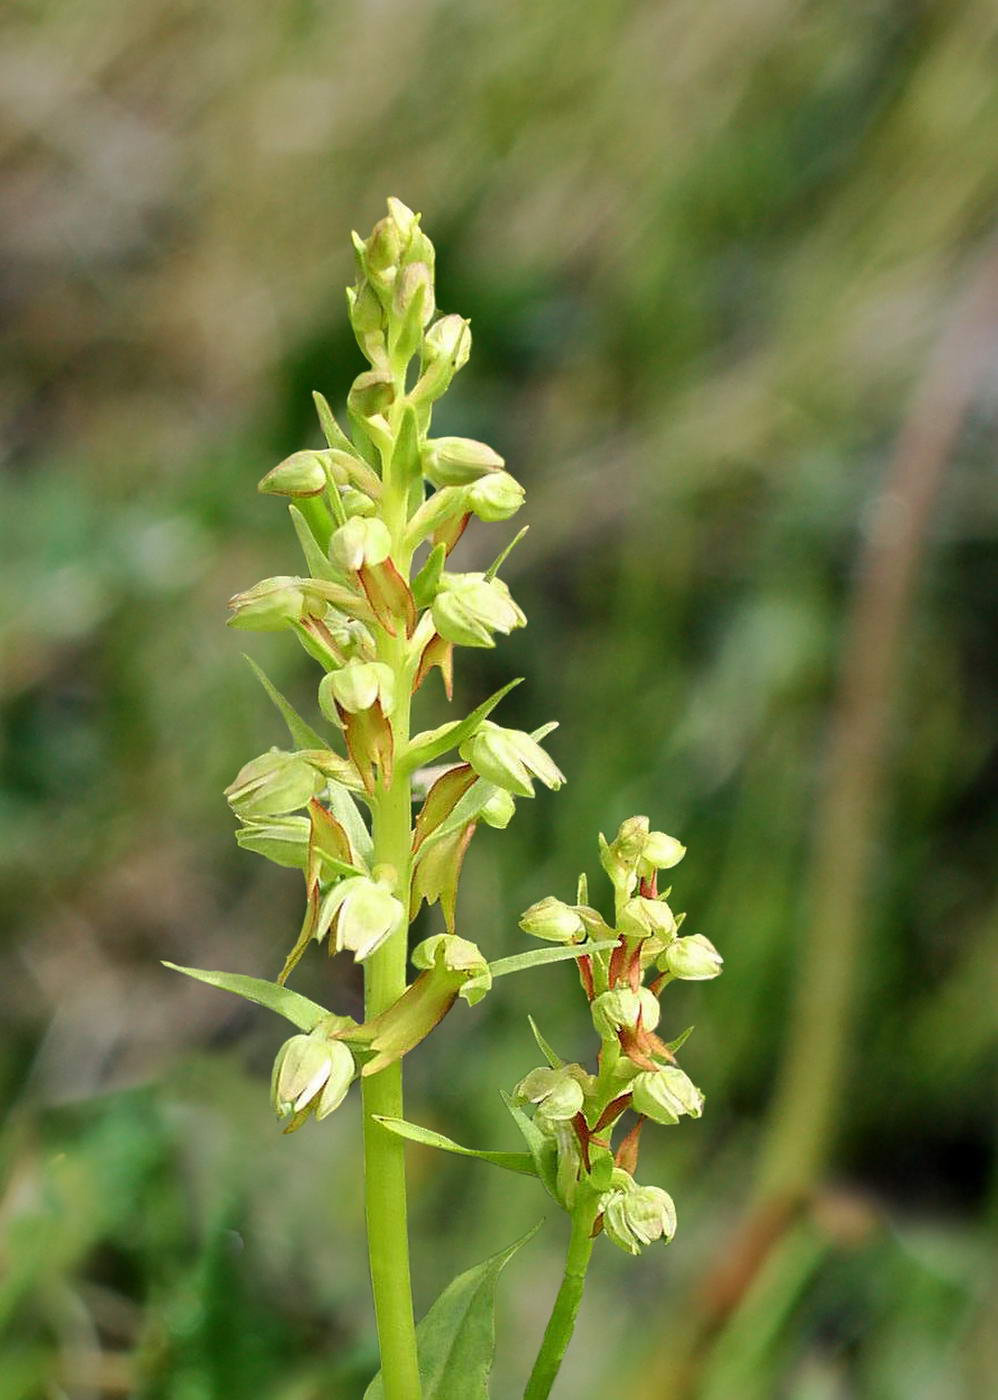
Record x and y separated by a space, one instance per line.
710 253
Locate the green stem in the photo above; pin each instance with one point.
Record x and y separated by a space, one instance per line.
561 1323
384 1159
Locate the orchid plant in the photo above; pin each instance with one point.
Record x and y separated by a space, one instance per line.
377 513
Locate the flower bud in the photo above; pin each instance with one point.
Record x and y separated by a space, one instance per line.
311 1075
446 950
360 541
415 281
371 393
499 810
647 918
456 461
660 852
553 920
622 1008
301 474
273 784
693 959
448 339
356 502
356 687
383 248
284 840
638 1216
510 758
495 497
620 857
361 914
269 605
558 1093
666 1094
468 608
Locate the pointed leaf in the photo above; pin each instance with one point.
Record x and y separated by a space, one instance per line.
494 568
681 1039
441 800
295 1008
542 1148
519 961
389 596
302 734
427 581
405 463
437 652
553 1059
456 1338
429 745
333 433
318 565
521 1162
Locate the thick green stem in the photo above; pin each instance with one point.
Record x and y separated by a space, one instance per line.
561 1323
384 1160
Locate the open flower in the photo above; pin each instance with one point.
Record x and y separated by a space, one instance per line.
510 758
311 1075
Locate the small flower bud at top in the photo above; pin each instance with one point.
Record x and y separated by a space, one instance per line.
273 784
301 474
558 1093
665 1095
360 541
495 497
510 758
693 959
456 461
468 608
356 687
383 248
645 918
362 914
620 857
554 920
639 1216
660 852
311 1074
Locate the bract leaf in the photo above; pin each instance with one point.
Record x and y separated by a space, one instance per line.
456 1338
521 1162
295 1008
560 953
303 735
429 745
542 1148
554 1060
318 564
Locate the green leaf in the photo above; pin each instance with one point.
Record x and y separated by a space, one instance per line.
331 430
542 1148
554 1060
536 956
318 565
456 1338
427 581
432 743
680 1039
494 568
520 961
302 734
513 1161
295 1008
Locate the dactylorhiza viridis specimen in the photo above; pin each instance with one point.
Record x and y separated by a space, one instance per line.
377 513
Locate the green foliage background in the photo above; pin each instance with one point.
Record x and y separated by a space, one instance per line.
707 251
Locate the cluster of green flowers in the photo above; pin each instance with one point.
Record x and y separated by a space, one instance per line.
575 1111
377 514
